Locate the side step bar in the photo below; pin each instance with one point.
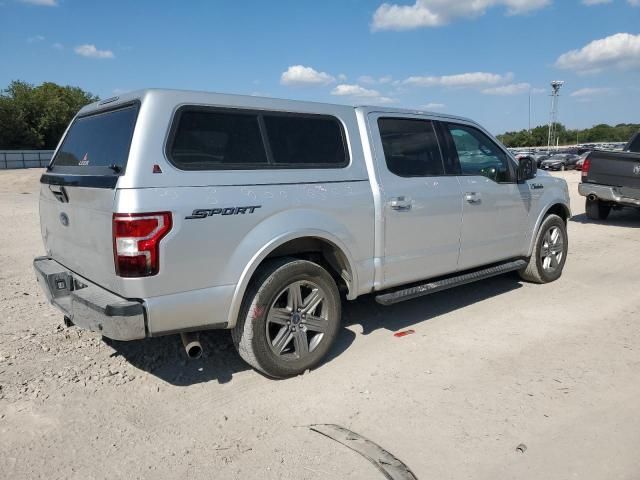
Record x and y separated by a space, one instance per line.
450 282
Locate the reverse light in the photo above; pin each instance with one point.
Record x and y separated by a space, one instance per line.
136 242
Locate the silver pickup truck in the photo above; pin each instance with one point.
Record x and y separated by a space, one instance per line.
169 211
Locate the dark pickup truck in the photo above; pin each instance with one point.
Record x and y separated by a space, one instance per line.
611 180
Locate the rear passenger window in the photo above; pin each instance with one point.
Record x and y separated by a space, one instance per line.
300 141
410 147
215 139
207 140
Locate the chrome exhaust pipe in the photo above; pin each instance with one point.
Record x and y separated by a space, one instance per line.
592 197
192 345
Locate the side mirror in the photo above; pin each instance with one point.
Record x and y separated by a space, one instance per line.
527 169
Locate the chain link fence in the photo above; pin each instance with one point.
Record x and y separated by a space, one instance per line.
10 159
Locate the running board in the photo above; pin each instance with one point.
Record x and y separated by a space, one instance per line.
439 285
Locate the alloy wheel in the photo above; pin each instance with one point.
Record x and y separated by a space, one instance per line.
297 320
552 249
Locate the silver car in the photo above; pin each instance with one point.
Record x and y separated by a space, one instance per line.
175 212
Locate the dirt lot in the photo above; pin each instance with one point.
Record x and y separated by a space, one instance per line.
490 366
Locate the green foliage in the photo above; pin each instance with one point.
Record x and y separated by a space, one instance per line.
36 117
598 133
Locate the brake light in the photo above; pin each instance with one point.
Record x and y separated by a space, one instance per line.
586 165
136 242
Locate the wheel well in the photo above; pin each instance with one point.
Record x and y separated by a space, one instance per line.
322 252
561 210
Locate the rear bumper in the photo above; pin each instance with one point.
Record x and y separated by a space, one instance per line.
607 193
88 305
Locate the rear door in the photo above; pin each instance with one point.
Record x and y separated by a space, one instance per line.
495 207
78 191
421 205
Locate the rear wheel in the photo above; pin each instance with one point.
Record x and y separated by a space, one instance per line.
549 252
289 318
596 210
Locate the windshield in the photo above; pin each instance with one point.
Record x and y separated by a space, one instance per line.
97 142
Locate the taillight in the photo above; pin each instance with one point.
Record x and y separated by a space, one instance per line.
136 242
586 165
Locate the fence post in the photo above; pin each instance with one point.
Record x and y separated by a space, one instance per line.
24 165
6 165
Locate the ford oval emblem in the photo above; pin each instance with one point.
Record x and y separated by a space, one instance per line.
64 219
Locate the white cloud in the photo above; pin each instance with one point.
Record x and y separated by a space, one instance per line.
435 13
389 78
433 106
590 92
35 38
42 3
57 46
621 51
301 75
342 77
354 90
595 2
535 91
634 3
473 79
510 89
91 51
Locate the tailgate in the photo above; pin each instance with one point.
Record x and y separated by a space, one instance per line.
618 169
77 232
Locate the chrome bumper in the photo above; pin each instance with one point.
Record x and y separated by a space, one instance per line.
88 305
607 193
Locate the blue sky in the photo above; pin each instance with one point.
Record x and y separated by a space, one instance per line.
478 58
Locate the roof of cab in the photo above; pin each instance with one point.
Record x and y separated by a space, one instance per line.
249 101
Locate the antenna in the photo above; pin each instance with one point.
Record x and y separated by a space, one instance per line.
553 120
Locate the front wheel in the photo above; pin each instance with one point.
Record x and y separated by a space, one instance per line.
549 252
289 317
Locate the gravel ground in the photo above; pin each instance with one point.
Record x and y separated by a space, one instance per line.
490 366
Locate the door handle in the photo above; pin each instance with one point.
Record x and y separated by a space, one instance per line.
401 204
472 197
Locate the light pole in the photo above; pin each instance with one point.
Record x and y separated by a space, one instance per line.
553 120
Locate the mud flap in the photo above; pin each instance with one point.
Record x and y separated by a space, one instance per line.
389 466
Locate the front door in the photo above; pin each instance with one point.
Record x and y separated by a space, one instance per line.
421 205
495 208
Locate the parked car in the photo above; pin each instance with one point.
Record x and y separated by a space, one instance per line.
539 158
581 160
611 180
174 212
559 161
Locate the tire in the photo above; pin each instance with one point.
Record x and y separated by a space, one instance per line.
262 335
545 264
596 210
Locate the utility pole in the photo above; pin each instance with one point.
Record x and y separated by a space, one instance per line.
553 120
529 112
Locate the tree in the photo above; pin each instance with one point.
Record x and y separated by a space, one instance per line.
598 133
36 117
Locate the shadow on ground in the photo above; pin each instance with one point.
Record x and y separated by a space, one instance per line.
627 217
372 316
164 357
